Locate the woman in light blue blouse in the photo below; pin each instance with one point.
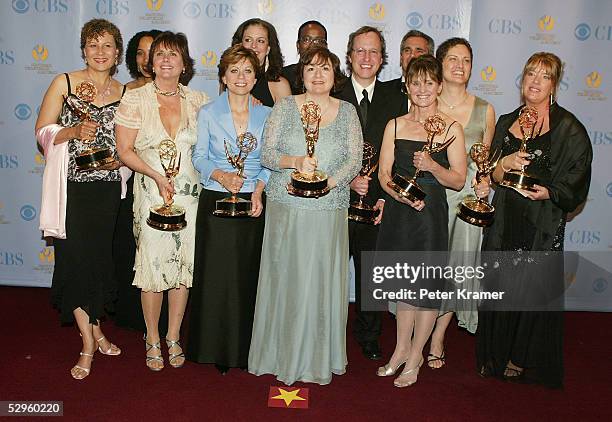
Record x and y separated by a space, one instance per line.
299 331
227 250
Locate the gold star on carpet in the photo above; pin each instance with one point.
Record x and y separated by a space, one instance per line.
288 396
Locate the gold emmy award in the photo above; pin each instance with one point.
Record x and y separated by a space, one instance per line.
233 206
168 216
519 179
409 188
309 185
90 158
361 211
477 211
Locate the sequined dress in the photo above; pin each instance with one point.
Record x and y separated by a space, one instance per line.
531 340
299 329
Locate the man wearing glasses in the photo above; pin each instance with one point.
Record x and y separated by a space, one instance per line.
376 104
414 44
309 33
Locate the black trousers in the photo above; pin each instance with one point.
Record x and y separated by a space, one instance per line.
362 237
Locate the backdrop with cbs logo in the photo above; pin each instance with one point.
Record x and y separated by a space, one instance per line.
40 39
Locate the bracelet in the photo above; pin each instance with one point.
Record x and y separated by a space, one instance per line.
504 167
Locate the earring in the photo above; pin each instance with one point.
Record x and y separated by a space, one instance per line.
552 99
85 59
116 61
183 71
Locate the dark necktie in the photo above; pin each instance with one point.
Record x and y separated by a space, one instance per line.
364 104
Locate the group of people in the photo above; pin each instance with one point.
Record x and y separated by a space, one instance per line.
269 292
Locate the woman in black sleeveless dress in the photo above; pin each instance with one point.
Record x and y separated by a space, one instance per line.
420 225
83 275
260 36
522 345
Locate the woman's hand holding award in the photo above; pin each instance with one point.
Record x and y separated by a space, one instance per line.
168 216
361 211
477 211
520 179
90 158
309 185
409 188
233 206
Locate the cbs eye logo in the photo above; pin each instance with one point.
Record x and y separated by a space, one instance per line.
546 23
377 11
40 53
488 74
23 111
414 20
21 6
209 59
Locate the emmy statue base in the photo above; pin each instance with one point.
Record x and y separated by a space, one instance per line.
476 212
94 159
362 213
519 180
168 218
308 186
232 206
406 188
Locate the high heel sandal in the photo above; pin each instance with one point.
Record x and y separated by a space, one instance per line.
86 370
387 370
433 358
401 384
149 346
172 356
110 351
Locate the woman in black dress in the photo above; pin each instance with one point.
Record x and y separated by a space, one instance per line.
528 346
420 225
260 36
83 274
227 250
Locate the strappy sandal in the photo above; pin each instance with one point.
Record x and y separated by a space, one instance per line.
86 370
110 351
148 347
433 358
513 374
173 356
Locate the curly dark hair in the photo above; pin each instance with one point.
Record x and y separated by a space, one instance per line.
98 27
233 55
318 54
178 42
351 41
132 49
275 57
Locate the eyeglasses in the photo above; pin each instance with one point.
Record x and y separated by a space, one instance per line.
361 52
315 41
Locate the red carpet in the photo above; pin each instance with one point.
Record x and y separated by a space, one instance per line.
37 354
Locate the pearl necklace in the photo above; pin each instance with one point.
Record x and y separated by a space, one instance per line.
453 106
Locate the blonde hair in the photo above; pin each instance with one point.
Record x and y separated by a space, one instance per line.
548 61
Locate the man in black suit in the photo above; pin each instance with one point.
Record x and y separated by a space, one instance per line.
309 33
414 44
376 104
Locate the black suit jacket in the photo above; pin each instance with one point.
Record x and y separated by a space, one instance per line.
384 106
400 89
289 72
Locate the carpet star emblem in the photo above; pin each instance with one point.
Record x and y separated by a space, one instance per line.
288 396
